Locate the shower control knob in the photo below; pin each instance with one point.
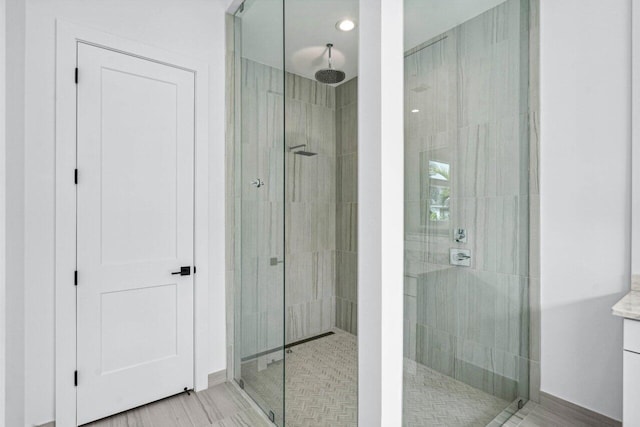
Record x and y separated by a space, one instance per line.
460 235
257 183
460 257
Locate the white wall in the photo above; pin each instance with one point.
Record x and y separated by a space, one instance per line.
14 237
585 197
381 213
3 17
635 198
191 27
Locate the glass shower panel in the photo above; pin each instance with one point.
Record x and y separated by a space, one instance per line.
259 180
466 326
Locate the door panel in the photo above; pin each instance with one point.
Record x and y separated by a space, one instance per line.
259 104
142 232
135 228
151 338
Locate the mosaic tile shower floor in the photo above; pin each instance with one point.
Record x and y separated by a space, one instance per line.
321 389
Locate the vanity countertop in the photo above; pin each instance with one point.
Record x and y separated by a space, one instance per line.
629 306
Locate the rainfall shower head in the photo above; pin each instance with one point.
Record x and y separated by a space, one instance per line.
301 152
330 75
305 153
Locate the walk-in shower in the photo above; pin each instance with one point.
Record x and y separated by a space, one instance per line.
467 197
293 203
295 263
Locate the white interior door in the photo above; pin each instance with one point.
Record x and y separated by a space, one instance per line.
135 156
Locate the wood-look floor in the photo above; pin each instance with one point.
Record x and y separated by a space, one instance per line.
224 406
536 415
219 406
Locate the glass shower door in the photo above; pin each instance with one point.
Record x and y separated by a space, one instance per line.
259 190
466 337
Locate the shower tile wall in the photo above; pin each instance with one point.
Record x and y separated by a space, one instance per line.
347 206
309 204
470 87
261 213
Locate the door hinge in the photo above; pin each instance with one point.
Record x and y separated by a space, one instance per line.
76 75
75 278
75 176
194 269
75 378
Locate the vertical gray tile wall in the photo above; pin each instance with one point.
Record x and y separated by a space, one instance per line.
318 205
470 89
347 206
310 244
305 207
259 211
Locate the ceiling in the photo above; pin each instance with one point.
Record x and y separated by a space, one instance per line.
310 25
426 19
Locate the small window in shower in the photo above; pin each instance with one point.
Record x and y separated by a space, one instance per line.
439 191
435 191
439 170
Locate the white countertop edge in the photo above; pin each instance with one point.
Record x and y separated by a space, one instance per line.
628 307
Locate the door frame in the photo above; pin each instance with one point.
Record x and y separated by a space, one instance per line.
67 37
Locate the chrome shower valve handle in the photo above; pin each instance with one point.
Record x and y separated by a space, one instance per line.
460 257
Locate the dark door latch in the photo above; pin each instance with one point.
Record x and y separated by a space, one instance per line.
184 271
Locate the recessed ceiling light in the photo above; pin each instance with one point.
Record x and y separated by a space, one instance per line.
345 25
415 110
